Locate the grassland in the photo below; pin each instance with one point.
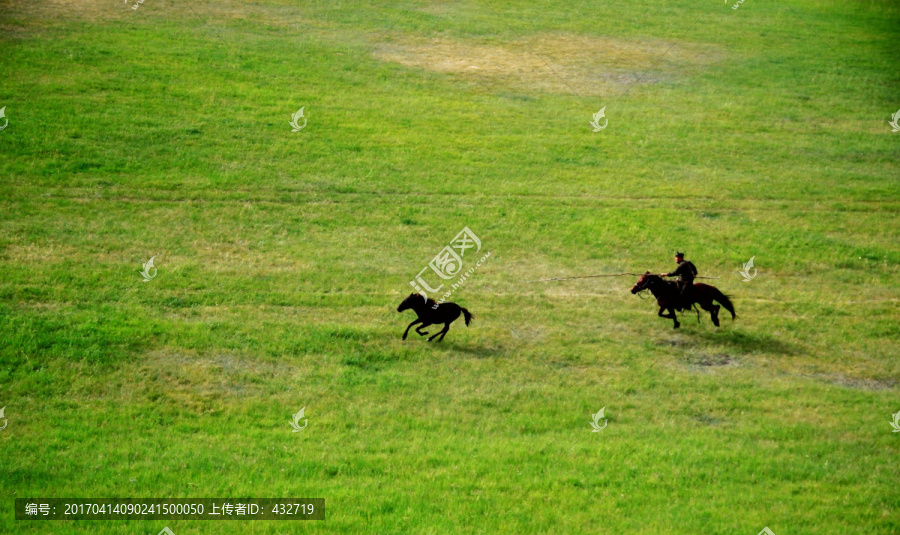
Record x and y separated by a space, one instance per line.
163 130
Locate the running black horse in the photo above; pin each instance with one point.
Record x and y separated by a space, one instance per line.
431 313
668 297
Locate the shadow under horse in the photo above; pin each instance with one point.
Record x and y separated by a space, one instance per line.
430 312
668 297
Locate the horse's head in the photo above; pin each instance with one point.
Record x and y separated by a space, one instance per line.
413 301
644 282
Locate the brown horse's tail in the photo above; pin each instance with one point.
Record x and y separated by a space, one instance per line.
466 314
724 301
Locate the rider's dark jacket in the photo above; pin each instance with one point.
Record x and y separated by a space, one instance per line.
685 272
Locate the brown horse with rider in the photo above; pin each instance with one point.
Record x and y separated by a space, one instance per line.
683 294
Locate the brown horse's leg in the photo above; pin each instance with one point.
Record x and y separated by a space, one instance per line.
410 325
712 309
440 333
671 315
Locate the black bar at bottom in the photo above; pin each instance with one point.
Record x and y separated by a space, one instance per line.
170 509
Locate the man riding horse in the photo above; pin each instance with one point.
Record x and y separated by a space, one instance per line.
686 271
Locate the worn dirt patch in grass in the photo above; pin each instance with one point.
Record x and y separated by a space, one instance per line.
861 383
555 63
711 359
672 343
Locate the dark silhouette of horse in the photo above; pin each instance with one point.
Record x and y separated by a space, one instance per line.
432 313
668 297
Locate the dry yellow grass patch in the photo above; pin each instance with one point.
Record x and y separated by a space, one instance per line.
40 13
558 63
100 11
199 382
39 254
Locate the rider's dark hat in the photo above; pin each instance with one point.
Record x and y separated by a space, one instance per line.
679 254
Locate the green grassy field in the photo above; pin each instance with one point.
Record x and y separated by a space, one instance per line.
760 131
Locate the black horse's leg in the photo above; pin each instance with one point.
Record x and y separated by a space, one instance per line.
408 326
440 333
420 327
446 328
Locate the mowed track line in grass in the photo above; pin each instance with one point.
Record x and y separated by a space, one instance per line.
282 258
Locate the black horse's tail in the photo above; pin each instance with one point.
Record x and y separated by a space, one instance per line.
725 301
466 314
